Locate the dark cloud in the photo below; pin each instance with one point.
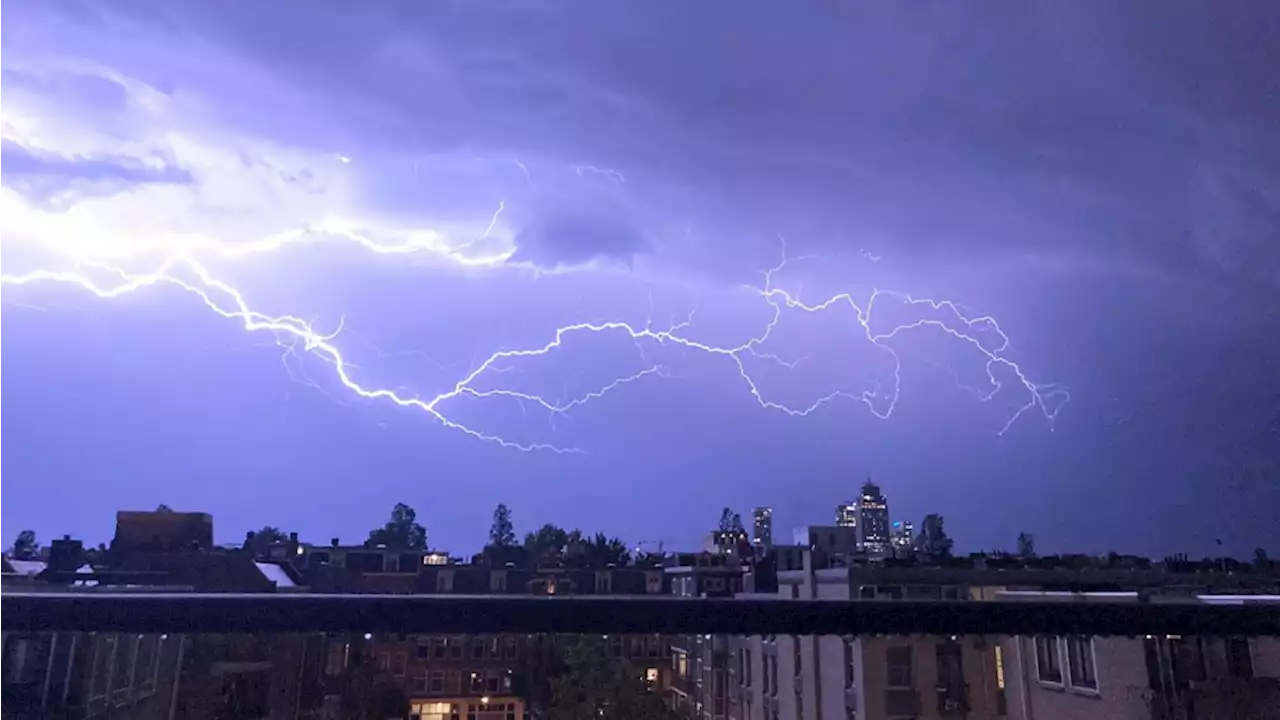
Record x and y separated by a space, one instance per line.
576 238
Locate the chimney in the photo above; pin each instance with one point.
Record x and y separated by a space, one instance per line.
66 555
334 542
293 545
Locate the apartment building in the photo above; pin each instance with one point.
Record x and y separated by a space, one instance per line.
1142 678
143 676
977 677
699 686
847 677
471 677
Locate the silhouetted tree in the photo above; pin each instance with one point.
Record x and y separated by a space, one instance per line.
1026 545
163 508
401 531
260 542
577 678
367 696
602 551
933 540
25 546
502 533
730 521
548 538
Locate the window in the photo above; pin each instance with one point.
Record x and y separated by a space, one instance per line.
435 682
746 667
491 682
999 667
510 649
798 660
384 662
453 682
637 647
1188 659
1239 660
477 649
773 674
1048 663
655 646
651 676
850 674
424 652
147 664
498 581
477 682
399 662
455 647
898 659
1080 663
122 667
950 666
337 660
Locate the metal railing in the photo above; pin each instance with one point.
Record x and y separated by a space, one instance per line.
270 613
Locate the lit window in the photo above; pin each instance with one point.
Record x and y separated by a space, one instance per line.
651 675
999 667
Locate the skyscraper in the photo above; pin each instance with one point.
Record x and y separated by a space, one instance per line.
762 527
847 515
873 518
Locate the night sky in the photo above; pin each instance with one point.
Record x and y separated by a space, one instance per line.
1089 193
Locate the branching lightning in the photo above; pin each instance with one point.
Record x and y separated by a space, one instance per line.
99 272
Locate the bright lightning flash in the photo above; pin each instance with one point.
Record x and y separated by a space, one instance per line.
97 269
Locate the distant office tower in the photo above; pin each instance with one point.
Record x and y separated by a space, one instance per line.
762 527
847 515
873 518
902 536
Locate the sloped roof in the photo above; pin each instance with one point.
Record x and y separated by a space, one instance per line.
275 574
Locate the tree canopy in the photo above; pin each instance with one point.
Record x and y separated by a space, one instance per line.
402 531
1026 545
730 521
502 532
25 546
933 538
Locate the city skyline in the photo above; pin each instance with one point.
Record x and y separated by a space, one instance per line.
428 256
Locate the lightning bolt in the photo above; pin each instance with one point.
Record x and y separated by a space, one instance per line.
98 273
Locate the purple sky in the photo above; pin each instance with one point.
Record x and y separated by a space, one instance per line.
410 199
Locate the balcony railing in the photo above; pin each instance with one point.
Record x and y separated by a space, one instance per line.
267 613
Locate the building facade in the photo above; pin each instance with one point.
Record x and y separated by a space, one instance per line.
847 515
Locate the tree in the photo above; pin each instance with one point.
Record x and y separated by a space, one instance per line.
576 678
502 533
547 538
933 540
261 541
602 551
402 531
730 521
1026 545
367 696
163 508
25 547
